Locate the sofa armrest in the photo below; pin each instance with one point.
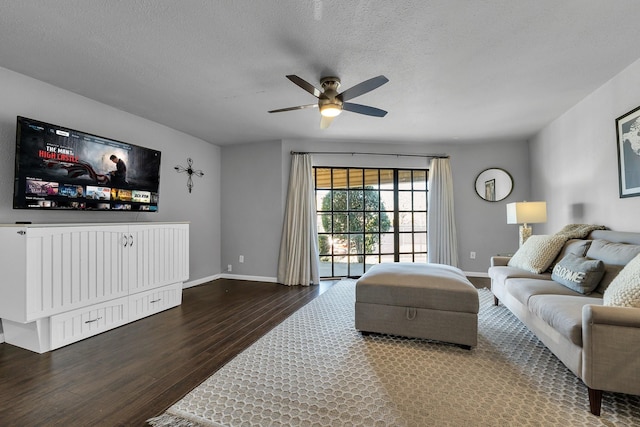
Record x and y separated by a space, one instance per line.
499 261
611 344
608 315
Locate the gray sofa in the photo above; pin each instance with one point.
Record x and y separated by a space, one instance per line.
599 344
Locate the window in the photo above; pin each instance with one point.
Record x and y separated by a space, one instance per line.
370 216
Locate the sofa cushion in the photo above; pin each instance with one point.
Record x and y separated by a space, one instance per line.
577 247
614 255
624 290
578 273
522 289
502 273
563 313
537 253
610 272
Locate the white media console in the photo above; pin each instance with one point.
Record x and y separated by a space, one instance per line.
61 283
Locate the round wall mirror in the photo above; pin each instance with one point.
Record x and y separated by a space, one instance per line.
494 184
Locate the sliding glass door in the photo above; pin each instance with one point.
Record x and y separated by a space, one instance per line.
369 216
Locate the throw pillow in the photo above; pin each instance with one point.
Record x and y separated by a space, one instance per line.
573 246
537 253
578 273
624 290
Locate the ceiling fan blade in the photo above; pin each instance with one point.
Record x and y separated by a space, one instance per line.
362 88
363 109
299 107
307 86
325 122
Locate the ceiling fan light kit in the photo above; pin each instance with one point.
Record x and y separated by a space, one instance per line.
330 110
331 103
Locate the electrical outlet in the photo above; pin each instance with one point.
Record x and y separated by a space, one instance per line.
241 259
472 255
229 268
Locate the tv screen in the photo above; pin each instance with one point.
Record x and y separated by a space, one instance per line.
62 168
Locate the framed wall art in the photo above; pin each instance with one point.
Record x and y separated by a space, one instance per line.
628 140
493 184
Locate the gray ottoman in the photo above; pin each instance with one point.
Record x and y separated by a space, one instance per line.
432 301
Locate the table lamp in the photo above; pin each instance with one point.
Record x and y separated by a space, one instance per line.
526 213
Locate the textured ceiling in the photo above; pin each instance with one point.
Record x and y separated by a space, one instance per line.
459 70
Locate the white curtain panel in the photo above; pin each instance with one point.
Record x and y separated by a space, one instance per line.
441 226
299 260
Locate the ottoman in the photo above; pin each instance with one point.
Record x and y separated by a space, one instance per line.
432 301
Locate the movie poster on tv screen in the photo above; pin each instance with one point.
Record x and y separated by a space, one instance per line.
70 169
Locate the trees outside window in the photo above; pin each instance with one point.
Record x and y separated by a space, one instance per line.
358 228
369 216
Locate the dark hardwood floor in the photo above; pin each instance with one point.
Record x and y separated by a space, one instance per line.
125 376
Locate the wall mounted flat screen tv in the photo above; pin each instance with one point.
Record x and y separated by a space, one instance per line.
62 168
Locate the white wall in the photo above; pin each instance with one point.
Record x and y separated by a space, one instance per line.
574 160
21 95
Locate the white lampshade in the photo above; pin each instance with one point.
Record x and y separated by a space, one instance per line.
526 212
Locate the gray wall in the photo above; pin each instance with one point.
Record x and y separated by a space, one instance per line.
574 164
255 181
251 208
32 98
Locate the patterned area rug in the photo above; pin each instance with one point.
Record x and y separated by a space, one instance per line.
315 369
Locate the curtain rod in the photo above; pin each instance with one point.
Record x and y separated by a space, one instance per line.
428 156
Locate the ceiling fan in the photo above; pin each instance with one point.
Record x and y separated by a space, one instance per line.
331 103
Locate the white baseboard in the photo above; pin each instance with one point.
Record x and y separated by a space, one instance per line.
249 278
275 279
197 282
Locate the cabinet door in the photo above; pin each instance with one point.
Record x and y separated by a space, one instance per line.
69 267
158 255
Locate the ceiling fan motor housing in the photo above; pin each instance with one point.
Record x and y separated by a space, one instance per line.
330 83
330 87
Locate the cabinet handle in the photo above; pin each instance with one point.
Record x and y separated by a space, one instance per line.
94 320
125 242
155 301
130 240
